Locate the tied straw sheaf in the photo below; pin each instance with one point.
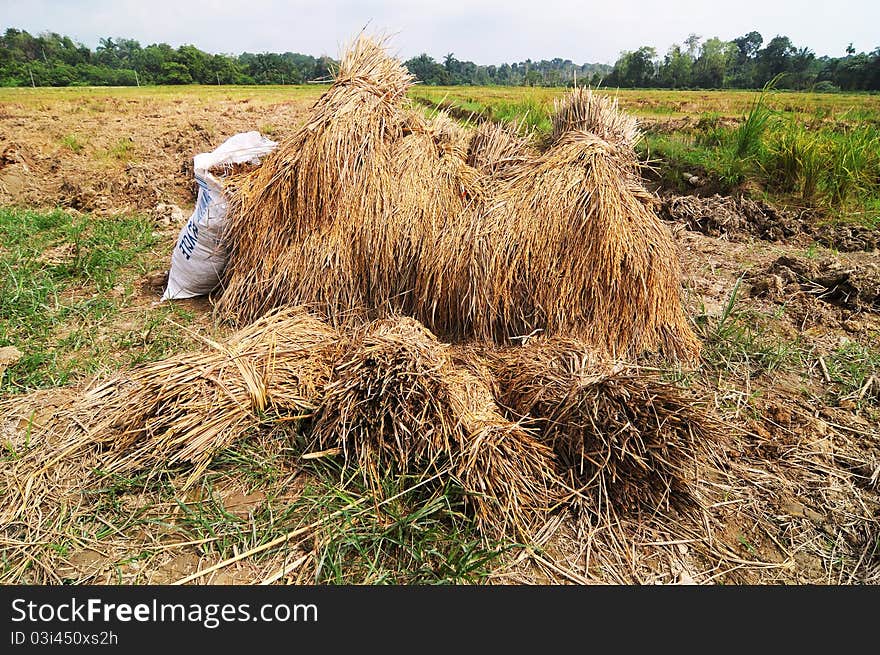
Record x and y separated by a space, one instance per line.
372 206
371 238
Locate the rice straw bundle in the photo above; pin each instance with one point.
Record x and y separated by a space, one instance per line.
187 407
370 207
398 401
450 136
434 202
332 173
624 440
497 150
582 110
576 250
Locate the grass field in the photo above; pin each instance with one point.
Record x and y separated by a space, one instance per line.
641 102
795 374
672 103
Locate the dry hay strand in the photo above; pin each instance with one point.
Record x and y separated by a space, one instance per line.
435 202
449 135
182 409
576 249
289 230
625 441
398 401
38 504
497 150
187 407
582 110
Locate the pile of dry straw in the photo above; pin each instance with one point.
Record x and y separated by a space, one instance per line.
372 206
372 230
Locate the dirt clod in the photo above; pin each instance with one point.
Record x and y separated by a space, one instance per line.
168 214
853 287
733 217
9 356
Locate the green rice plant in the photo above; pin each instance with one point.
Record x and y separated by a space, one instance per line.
783 163
795 159
812 160
729 168
854 165
747 138
710 131
529 114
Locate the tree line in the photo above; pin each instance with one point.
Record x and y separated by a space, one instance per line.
745 63
50 59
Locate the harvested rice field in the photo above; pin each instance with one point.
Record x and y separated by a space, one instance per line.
463 336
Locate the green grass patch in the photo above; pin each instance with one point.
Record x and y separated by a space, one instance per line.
72 143
122 150
401 533
741 340
405 530
851 367
65 283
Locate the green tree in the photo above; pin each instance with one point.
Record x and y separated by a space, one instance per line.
173 72
196 63
775 59
635 69
742 72
712 64
427 70
676 70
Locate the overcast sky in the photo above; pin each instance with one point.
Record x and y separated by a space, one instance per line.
487 32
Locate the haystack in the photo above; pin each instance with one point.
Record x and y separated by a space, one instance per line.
189 406
183 409
371 207
498 150
577 250
346 215
290 224
624 440
399 402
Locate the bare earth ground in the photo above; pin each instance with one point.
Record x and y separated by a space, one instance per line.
797 494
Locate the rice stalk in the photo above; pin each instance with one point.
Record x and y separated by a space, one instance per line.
289 222
398 401
497 149
583 110
625 441
573 247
